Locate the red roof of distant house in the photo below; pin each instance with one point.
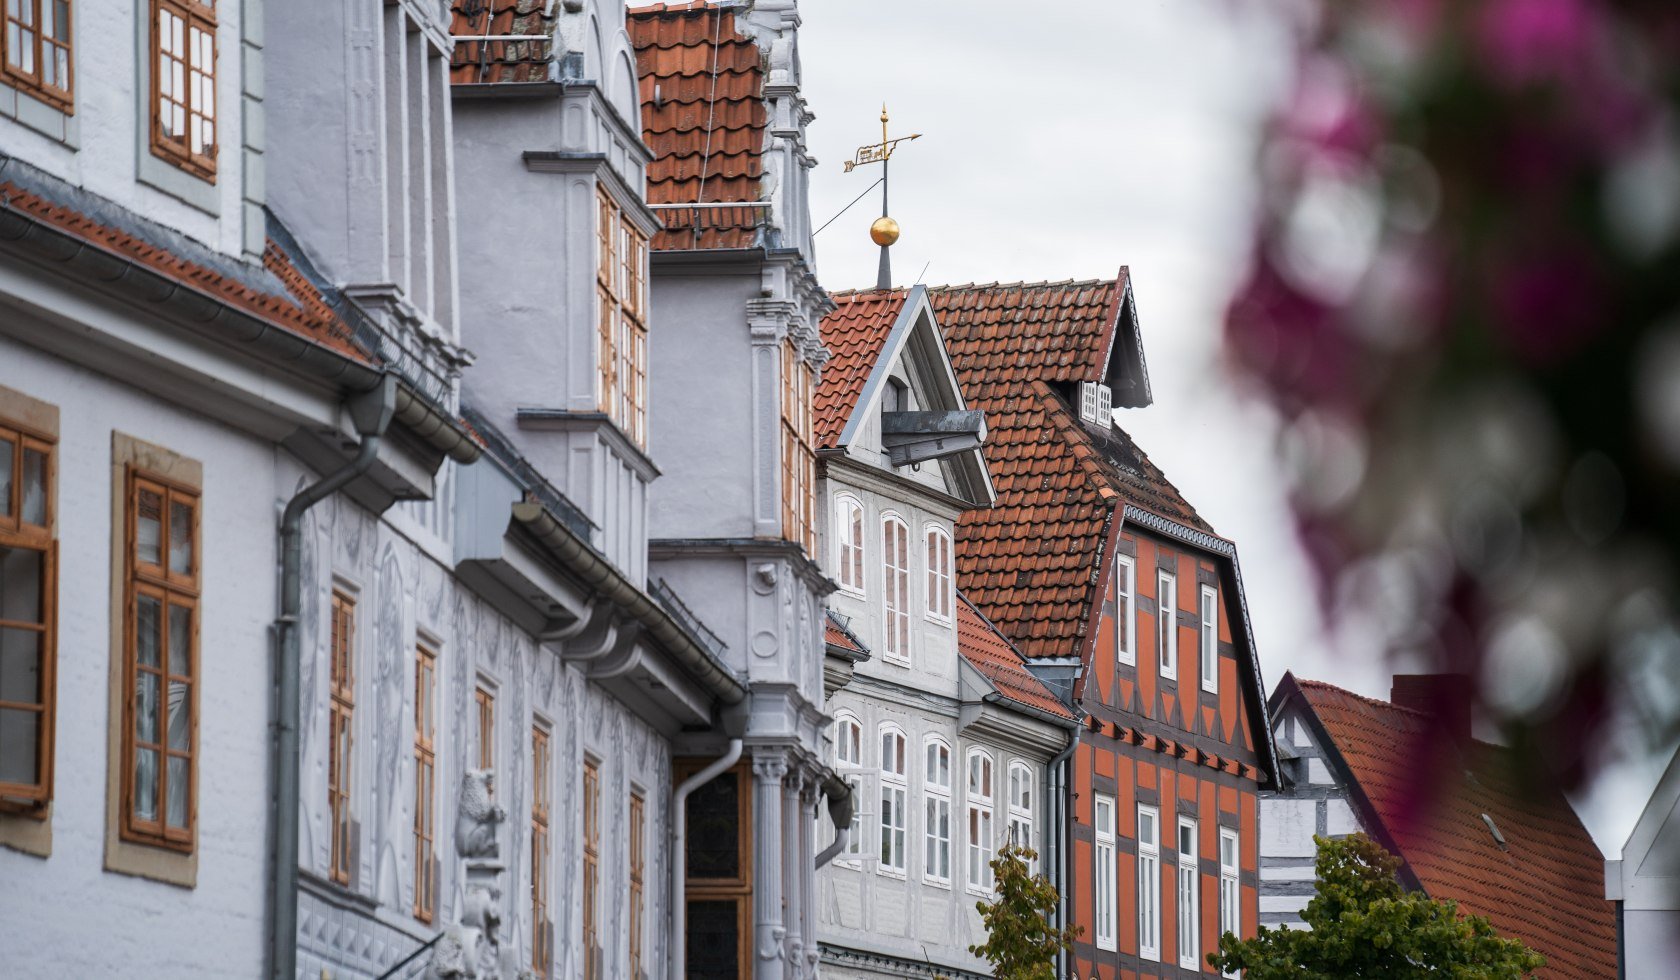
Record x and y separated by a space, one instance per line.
992 655
489 62
1545 886
837 633
704 117
854 334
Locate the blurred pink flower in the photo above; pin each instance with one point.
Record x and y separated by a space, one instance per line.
1527 41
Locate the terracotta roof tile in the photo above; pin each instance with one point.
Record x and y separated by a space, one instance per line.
489 62
992 655
837 632
704 118
854 334
1545 887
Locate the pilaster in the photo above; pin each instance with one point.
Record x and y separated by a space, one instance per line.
768 321
795 869
769 933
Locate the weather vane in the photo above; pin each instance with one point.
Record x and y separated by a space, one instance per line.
884 232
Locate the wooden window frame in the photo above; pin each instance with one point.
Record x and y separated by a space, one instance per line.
737 889
1105 909
799 455
32 799
169 589
591 888
936 810
638 880
341 736
199 16
484 712
542 804
1125 610
895 799
1149 884
850 534
33 79
940 573
621 324
1208 637
1166 624
1189 905
895 590
425 784
980 802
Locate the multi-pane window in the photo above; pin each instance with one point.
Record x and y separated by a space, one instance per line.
848 531
341 726
28 634
1230 895
1189 908
161 662
936 777
939 574
621 289
484 707
591 867
981 840
638 880
36 43
1125 609
799 457
1166 622
895 586
1102 899
1020 804
184 84
1149 882
894 800
542 927
425 784
848 757
1209 623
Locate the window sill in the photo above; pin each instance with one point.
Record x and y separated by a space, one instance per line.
28 831
886 872
896 661
941 883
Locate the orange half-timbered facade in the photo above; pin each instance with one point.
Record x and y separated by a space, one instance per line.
1125 601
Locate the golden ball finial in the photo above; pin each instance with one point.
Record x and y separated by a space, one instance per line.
884 231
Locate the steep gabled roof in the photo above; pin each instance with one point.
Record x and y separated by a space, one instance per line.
854 333
989 652
704 117
1430 797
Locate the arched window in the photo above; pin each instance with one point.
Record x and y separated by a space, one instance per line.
936 780
894 800
848 531
848 761
895 586
1020 804
938 574
981 840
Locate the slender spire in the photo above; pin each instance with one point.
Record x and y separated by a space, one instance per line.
884 232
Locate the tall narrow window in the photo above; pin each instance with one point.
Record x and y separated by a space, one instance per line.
638 880
1189 908
848 531
799 458
936 777
28 634
895 585
484 703
719 881
542 926
1210 638
1125 609
37 49
1102 881
1230 894
981 840
591 869
342 726
162 662
1166 622
1149 883
939 574
620 288
184 84
894 800
425 784
1021 805
848 758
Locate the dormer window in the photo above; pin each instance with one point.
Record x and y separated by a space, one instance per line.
1096 402
896 398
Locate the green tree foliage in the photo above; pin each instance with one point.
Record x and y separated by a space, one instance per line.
1020 942
1363 924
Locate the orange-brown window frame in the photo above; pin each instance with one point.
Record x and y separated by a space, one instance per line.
591 866
484 703
342 735
638 879
620 287
425 784
799 457
737 889
17 534
197 21
542 929
170 589
23 37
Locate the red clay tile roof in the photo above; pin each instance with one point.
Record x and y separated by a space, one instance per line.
992 655
1030 561
704 117
475 62
854 334
1546 887
837 633
300 309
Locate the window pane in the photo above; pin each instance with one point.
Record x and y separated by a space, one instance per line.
58 27
34 487
145 707
148 532
180 716
19 732
147 616
180 538
713 830
179 782
20 585
145 784
8 448
20 666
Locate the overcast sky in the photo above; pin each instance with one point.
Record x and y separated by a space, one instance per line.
1061 141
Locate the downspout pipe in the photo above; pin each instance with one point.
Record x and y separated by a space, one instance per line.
1059 789
679 851
371 413
840 809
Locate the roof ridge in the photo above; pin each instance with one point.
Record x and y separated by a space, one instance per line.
1375 702
1022 284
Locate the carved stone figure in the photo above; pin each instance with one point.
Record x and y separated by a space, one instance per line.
478 819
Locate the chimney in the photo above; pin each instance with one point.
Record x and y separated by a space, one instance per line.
1444 697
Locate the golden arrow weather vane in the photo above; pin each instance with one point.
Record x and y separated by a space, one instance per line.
884 232
878 152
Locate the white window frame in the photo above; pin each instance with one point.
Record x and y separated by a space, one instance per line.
1166 623
849 765
895 800
982 837
1125 610
1103 905
1209 630
1149 883
1020 805
1189 907
1230 885
850 552
936 811
941 597
895 591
